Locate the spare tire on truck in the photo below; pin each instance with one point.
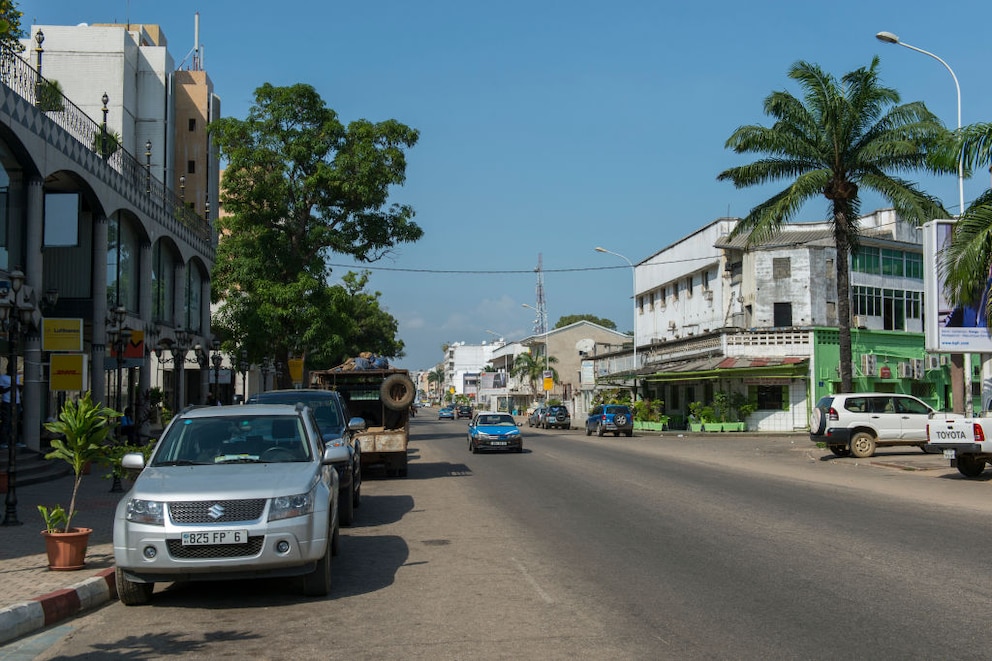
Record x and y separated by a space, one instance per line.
397 392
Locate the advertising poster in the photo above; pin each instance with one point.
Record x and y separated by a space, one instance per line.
949 328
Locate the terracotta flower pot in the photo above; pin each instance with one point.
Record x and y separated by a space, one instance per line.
66 550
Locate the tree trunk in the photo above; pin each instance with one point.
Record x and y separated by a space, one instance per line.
841 240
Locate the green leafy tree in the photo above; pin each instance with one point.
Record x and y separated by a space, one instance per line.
970 251
572 318
301 186
839 138
530 368
10 26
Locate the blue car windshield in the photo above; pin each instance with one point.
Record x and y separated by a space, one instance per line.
496 420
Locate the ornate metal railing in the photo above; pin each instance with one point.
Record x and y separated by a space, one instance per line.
24 80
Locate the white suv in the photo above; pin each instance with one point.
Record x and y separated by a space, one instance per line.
857 423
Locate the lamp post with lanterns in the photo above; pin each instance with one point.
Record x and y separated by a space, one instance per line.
216 358
633 272
18 316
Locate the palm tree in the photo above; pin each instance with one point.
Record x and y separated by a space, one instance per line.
530 368
970 251
436 378
839 138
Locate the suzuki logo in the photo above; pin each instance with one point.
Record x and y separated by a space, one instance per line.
216 511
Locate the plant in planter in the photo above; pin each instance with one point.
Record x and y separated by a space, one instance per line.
82 428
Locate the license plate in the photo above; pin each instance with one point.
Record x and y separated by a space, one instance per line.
497 442
215 537
948 454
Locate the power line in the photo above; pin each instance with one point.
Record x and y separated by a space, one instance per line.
369 267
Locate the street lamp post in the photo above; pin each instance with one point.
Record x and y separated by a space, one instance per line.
891 38
17 316
243 368
148 167
104 149
39 38
633 272
266 369
547 349
216 358
119 336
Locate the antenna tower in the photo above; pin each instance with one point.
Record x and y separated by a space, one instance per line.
542 312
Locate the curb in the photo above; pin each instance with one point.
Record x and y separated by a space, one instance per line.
31 616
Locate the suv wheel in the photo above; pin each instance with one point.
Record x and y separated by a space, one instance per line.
862 445
599 429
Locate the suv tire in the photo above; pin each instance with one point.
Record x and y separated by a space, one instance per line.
862 445
131 593
817 422
599 430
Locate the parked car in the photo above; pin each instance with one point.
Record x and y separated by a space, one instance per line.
857 423
336 428
556 417
230 492
494 431
616 418
535 418
447 413
463 412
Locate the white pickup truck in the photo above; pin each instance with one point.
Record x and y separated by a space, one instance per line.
967 442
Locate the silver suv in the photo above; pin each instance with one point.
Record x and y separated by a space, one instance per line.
230 492
857 423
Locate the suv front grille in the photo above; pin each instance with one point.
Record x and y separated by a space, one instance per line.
177 550
199 511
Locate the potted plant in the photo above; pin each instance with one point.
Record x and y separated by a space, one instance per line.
696 416
81 432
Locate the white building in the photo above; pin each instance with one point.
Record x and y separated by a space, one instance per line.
716 314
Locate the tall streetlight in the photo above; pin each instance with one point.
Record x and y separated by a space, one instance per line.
633 273
547 348
216 359
243 366
891 38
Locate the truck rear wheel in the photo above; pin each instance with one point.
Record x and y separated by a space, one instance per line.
397 392
969 465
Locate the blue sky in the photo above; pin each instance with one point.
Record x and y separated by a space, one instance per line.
553 127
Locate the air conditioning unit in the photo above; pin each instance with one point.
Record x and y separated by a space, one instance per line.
904 370
869 364
671 325
857 321
708 294
918 373
933 362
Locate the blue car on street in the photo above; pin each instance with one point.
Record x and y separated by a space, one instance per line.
494 431
447 413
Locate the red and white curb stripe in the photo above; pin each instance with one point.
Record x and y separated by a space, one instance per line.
31 616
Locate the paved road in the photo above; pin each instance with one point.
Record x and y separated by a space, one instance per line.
589 548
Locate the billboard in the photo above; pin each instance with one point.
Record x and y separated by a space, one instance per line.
948 328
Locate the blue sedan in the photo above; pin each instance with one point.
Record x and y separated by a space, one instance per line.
494 431
447 413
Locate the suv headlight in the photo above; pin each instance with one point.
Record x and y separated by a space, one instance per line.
286 507
146 511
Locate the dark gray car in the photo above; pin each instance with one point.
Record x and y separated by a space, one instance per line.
335 428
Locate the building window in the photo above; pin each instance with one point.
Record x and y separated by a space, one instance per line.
190 167
866 260
706 279
769 398
783 315
781 268
192 123
688 287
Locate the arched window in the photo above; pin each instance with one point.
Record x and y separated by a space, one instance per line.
123 277
163 284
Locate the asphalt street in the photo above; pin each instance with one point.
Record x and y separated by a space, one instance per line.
654 547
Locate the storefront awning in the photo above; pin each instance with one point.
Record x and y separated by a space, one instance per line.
729 367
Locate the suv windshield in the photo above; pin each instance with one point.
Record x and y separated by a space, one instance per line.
324 409
233 439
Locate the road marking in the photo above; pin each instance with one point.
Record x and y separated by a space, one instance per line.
530 579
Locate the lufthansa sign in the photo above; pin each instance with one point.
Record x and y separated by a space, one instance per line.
62 335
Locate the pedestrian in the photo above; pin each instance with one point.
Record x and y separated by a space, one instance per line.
5 419
129 430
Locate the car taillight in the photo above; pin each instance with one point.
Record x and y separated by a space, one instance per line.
832 414
979 434
928 432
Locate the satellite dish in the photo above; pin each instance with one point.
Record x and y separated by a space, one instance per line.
585 345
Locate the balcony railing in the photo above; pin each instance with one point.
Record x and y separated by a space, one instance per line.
23 80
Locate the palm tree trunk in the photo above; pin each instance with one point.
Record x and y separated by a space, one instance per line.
842 241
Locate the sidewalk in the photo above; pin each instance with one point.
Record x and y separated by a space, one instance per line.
32 596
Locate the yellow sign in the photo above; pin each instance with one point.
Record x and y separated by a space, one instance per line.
451 390
296 370
68 372
61 334
549 381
